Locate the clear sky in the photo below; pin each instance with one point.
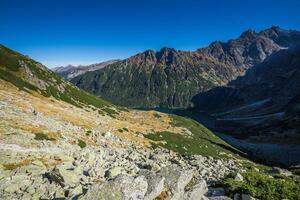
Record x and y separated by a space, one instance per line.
60 32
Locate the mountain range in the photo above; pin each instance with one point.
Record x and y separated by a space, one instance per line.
171 78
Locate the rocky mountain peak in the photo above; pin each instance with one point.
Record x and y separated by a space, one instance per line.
166 55
248 34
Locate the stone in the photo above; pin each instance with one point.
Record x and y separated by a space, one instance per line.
197 191
17 184
247 197
123 187
216 192
59 194
12 188
237 196
155 184
108 135
284 172
113 172
176 179
239 177
219 198
77 191
63 177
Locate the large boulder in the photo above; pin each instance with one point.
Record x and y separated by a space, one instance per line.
197 191
176 179
113 172
63 176
155 184
123 187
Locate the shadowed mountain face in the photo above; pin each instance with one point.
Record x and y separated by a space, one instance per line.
261 110
171 78
264 100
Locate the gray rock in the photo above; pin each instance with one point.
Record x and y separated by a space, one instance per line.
62 176
237 197
219 198
77 191
197 191
216 192
155 184
247 197
239 177
277 170
113 172
176 179
123 187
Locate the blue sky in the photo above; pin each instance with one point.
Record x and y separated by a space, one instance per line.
60 32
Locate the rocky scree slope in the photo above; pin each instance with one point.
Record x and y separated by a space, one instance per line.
170 78
68 72
58 142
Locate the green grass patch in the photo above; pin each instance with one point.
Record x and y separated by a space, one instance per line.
202 141
263 186
42 136
109 111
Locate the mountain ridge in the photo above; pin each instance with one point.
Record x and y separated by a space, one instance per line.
70 71
170 77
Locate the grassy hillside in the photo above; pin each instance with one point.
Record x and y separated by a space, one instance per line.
30 76
197 140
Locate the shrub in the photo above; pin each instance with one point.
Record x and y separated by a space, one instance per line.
42 136
81 143
156 115
88 132
263 186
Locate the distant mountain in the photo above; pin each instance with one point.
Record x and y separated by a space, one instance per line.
164 78
264 102
68 72
171 78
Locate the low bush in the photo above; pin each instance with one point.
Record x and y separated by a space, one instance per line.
81 143
262 186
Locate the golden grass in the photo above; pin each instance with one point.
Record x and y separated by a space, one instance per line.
12 166
135 121
36 130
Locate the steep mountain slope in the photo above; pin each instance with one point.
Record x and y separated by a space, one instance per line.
58 142
262 106
274 82
164 78
170 78
68 72
29 75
